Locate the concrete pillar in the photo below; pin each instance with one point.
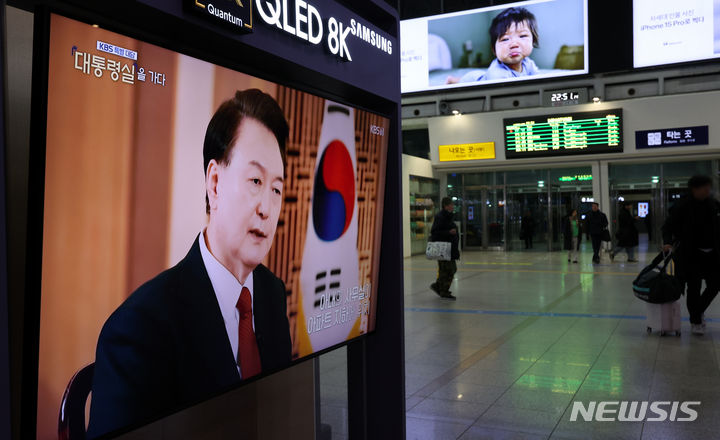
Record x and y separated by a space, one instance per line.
601 187
604 199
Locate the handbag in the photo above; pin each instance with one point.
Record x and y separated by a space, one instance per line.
655 285
438 250
605 236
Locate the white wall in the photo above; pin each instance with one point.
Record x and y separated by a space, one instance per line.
415 166
638 114
187 198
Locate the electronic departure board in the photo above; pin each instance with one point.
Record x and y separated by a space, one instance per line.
564 134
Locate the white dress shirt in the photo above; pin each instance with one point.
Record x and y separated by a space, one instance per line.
227 291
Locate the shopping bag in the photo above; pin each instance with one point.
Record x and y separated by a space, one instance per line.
438 250
655 285
604 254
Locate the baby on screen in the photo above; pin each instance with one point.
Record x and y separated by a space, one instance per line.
514 35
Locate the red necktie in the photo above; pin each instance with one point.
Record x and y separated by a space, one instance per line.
248 354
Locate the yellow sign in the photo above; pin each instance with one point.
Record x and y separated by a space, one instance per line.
483 150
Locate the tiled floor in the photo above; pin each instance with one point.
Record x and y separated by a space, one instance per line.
529 335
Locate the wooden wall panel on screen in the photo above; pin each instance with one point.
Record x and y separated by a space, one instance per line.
227 82
86 218
376 146
304 114
151 168
370 180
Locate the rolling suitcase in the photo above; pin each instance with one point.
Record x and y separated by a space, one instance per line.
661 291
664 318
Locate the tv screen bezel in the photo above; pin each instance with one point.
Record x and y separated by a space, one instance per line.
503 83
298 79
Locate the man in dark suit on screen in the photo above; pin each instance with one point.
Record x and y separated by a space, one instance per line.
219 316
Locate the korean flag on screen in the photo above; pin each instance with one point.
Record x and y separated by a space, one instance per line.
330 257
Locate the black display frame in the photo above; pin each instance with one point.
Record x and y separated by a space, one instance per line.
367 402
512 155
591 67
5 396
609 50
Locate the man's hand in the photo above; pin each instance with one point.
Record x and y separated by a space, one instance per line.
453 231
667 248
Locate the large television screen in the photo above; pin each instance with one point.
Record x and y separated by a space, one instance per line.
202 227
513 42
670 31
564 134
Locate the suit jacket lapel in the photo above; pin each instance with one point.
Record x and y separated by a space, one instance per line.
261 310
208 336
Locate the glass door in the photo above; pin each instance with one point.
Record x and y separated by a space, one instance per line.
528 218
495 218
473 224
652 188
484 217
556 211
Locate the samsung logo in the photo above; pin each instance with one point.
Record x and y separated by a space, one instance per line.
635 411
370 36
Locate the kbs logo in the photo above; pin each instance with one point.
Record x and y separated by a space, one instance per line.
379 131
635 411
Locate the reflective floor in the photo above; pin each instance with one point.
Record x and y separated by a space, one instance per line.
529 335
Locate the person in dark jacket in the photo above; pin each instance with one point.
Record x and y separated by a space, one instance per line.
571 235
693 226
597 224
445 229
527 229
627 234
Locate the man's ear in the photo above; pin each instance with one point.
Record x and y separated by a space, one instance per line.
211 183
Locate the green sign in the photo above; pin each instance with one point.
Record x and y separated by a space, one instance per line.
576 178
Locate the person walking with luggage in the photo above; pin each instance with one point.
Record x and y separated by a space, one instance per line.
597 224
627 234
527 229
571 234
693 226
445 229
